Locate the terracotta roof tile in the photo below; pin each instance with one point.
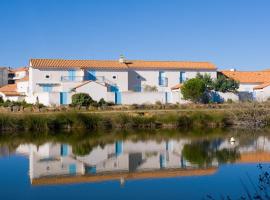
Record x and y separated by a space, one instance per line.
114 64
254 157
125 175
248 77
26 78
176 87
10 90
262 86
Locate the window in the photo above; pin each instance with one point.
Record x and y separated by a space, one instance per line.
114 77
47 76
162 80
47 88
71 75
182 78
138 77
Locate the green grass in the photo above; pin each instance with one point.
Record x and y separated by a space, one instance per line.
89 121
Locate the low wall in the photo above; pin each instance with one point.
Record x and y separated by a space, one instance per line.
221 97
129 98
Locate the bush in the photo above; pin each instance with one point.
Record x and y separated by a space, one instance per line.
82 99
194 90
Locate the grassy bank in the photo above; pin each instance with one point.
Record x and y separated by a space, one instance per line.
88 121
247 116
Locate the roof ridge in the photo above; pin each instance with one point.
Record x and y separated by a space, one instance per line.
188 61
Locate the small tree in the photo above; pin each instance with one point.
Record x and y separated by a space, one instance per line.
224 84
208 81
82 99
193 89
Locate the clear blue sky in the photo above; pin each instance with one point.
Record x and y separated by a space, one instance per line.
229 33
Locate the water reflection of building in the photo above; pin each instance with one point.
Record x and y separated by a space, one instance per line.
121 157
56 163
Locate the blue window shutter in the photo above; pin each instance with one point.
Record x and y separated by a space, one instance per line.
47 88
71 75
182 77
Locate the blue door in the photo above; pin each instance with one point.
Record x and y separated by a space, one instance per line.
63 98
72 169
162 161
168 97
64 150
118 98
90 75
118 148
71 75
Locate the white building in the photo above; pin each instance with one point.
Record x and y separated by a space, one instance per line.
253 85
17 89
54 81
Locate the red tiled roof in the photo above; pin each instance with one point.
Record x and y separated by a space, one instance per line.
20 69
10 90
114 64
125 175
176 87
262 86
26 78
248 77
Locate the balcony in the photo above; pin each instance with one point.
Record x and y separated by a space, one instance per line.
99 79
72 78
163 81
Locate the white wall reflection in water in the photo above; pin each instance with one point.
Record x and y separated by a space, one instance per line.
141 159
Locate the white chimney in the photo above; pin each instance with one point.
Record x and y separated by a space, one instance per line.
122 59
232 69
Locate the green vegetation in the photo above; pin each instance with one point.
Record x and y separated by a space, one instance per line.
89 121
204 152
82 99
193 90
221 84
197 89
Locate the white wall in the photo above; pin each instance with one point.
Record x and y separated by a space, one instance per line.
121 77
151 77
263 94
95 90
247 87
38 76
22 86
11 98
229 95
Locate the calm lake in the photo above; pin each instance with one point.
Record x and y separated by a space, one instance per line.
133 168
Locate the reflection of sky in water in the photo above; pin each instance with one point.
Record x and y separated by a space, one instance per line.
198 169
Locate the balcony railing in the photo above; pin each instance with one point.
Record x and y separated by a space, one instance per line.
100 79
72 78
163 81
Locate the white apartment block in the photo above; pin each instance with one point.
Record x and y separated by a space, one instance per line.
54 81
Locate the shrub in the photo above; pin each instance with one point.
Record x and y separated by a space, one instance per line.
82 99
193 89
149 88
